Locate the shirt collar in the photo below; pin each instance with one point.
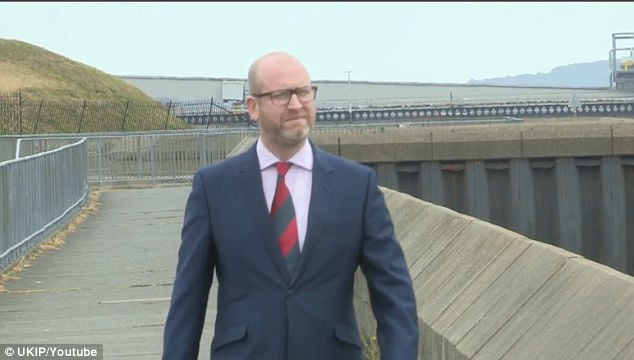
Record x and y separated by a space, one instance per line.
303 158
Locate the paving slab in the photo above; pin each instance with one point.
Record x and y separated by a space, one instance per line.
110 281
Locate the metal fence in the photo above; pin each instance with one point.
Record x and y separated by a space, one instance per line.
22 116
156 157
38 193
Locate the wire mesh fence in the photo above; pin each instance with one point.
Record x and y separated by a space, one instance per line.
20 115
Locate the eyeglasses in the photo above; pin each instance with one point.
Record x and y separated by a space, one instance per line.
283 97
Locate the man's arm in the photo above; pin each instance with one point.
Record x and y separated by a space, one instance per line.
194 274
389 282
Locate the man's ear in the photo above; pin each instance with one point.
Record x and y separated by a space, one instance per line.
252 107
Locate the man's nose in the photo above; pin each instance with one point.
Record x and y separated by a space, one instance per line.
294 102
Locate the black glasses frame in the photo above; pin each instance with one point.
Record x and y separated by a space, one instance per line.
271 94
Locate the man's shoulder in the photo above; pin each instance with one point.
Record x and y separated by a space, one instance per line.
339 162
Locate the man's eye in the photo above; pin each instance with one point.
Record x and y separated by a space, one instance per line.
281 95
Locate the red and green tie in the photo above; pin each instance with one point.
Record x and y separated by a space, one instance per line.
283 213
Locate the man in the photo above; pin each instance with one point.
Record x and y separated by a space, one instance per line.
293 302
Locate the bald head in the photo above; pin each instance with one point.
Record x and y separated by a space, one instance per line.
271 65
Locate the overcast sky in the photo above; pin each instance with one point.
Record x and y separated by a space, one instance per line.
420 42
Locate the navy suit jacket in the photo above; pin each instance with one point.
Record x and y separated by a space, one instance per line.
265 312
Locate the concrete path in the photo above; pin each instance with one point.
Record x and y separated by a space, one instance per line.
109 283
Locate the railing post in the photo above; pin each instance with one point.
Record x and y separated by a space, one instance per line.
20 111
211 105
37 119
169 109
125 115
81 117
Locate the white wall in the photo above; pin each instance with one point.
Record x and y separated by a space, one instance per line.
366 93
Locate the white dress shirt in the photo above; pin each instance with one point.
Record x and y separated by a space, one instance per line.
299 180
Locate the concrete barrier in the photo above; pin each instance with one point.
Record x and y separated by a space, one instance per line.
485 292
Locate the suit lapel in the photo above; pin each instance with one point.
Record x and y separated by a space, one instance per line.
320 200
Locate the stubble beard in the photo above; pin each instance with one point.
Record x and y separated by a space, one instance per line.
295 135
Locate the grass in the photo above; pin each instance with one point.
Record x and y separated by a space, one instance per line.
370 347
39 73
55 90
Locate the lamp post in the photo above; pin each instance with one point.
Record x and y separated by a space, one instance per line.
349 95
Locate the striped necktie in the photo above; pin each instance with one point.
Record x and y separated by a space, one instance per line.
283 213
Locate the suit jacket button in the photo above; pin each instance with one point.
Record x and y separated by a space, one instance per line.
290 291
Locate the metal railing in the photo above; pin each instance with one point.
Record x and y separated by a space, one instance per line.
38 193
